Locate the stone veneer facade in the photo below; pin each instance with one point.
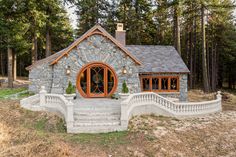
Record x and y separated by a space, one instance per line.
95 48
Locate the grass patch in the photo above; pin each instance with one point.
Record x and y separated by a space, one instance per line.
40 124
103 139
60 126
27 94
9 91
49 125
150 137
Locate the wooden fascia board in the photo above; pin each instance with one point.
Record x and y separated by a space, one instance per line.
150 73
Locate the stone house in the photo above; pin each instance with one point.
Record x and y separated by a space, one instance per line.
98 64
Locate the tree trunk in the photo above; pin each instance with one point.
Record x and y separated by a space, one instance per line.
34 48
204 61
9 72
191 58
216 66
208 62
194 53
14 67
177 30
48 43
2 64
213 68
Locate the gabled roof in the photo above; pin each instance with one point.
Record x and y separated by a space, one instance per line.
46 60
97 29
158 59
152 58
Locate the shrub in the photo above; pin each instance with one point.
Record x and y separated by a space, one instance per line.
70 89
125 89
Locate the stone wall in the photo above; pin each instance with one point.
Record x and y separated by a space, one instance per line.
95 48
183 87
40 76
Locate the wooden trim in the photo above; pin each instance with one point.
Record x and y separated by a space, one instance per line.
159 79
88 67
105 80
156 73
160 83
88 82
168 83
96 30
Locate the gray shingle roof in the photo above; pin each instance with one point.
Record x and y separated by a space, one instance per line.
156 58
46 60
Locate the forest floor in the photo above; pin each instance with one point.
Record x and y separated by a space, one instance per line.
27 133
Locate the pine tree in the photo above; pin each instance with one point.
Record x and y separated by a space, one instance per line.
90 13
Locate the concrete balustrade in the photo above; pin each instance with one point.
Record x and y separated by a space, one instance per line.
52 102
152 103
135 104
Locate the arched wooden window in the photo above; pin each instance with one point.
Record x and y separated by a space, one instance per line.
96 80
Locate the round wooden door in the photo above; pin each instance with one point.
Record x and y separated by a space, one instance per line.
96 80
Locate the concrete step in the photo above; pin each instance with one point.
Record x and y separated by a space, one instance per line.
96 113
97 117
102 104
97 129
85 109
95 123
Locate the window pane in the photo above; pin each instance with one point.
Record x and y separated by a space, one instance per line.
83 81
97 80
155 83
173 83
146 84
110 79
164 83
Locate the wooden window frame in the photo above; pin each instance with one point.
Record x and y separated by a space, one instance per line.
159 84
87 67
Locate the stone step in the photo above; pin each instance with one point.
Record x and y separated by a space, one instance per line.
96 123
97 129
96 105
97 117
98 109
96 113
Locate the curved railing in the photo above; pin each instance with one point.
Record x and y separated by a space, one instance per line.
150 102
58 103
31 103
51 102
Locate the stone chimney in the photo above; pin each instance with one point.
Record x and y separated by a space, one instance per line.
121 34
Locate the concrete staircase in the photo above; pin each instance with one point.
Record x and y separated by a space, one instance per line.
97 118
